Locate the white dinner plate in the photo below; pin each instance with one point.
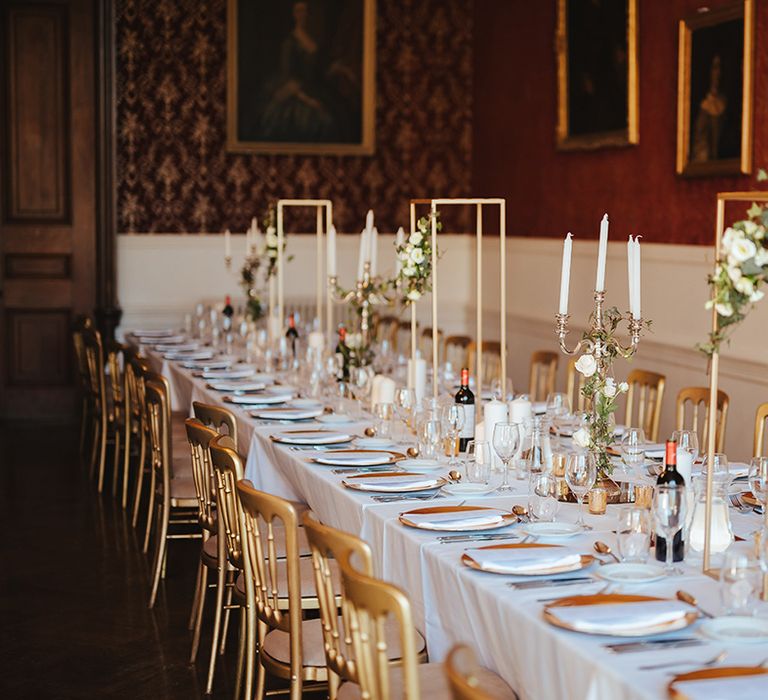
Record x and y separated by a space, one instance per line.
335 418
374 443
156 333
311 437
631 573
206 365
233 373
306 403
236 386
551 530
357 458
737 629
191 355
469 489
257 399
421 465
287 413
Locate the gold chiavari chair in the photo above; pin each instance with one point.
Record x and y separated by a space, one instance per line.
402 344
94 353
697 397
386 328
277 591
456 349
330 632
84 385
116 402
574 385
369 604
647 388
221 419
425 344
760 420
491 360
137 370
543 373
470 681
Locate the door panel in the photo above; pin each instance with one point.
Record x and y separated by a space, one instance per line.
47 227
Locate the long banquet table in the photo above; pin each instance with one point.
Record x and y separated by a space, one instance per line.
452 603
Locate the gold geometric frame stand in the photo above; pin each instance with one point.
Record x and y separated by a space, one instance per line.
722 199
412 205
321 206
479 203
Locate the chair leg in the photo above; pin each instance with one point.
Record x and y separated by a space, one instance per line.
225 625
83 425
102 452
200 595
196 596
150 508
126 466
221 579
261 674
94 448
160 551
241 650
116 462
139 480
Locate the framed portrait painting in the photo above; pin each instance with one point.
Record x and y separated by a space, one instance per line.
301 76
597 93
714 94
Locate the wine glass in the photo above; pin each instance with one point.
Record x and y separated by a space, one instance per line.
362 383
542 496
633 447
429 438
453 422
383 413
558 405
499 392
735 583
633 535
405 402
758 478
506 438
669 506
478 462
687 440
580 475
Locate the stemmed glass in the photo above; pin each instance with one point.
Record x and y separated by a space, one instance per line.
362 383
758 479
429 438
580 475
506 439
478 461
633 447
405 403
687 440
669 506
499 392
453 422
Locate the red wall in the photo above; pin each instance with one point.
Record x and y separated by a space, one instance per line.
550 192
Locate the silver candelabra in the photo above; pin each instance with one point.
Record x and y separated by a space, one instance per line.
368 292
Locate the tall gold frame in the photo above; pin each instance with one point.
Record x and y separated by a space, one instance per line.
742 164
722 198
366 145
623 137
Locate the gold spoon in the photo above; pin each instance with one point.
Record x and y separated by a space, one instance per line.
686 597
603 548
454 476
412 452
521 512
370 432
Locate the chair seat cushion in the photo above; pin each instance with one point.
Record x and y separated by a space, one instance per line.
307 576
277 643
433 684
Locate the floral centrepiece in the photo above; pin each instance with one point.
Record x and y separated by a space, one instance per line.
414 277
740 273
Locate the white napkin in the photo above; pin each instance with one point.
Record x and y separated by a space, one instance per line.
157 333
237 386
241 373
313 438
286 413
656 450
175 341
207 365
258 399
458 519
621 617
176 347
394 483
741 687
525 560
192 355
370 459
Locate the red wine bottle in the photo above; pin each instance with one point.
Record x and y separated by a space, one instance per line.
467 399
671 477
228 311
342 355
292 334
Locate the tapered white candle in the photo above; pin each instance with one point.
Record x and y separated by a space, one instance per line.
399 242
374 250
255 236
369 220
631 272
636 312
602 252
330 251
565 274
361 254
227 244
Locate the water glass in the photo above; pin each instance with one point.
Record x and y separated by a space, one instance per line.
687 440
736 586
430 436
758 478
542 497
384 413
502 393
633 535
478 462
720 462
633 448
580 475
669 508
506 439
453 422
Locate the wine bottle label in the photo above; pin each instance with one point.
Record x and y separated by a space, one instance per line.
468 429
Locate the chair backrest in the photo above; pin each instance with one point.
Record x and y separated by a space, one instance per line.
543 373
227 471
491 360
116 365
696 397
328 544
199 437
403 337
573 386
259 514
760 420
461 668
455 350
425 344
79 327
94 355
159 420
646 390
386 328
222 420
370 603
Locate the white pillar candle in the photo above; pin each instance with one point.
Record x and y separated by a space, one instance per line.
519 410
631 272
374 246
376 389
316 340
330 252
636 312
361 259
387 389
602 252
565 274
227 244
417 378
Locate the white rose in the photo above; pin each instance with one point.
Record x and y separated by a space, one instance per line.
743 249
760 233
761 257
587 365
609 389
414 295
417 255
750 228
724 309
734 272
272 239
744 285
757 295
623 387
409 271
354 340
416 238
581 438
730 236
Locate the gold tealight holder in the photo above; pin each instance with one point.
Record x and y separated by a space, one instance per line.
644 495
562 490
558 464
598 501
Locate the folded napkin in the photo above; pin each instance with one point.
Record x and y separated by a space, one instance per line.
394 483
742 687
176 347
313 438
237 386
239 373
191 355
207 365
286 413
614 618
257 399
156 333
370 459
173 340
525 560
459 519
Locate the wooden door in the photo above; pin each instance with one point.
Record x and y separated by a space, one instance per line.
47 223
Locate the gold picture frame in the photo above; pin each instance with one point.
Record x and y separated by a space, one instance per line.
716 140
239 138
584 123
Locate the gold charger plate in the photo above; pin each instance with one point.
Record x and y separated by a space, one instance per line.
318 431
586 560
711 674
609 599
324 458
349 482
507 519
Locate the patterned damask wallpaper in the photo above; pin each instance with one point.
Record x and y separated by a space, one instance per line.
174 174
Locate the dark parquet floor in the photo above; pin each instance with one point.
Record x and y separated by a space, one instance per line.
74 621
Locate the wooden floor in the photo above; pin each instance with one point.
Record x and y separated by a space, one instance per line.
74 621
